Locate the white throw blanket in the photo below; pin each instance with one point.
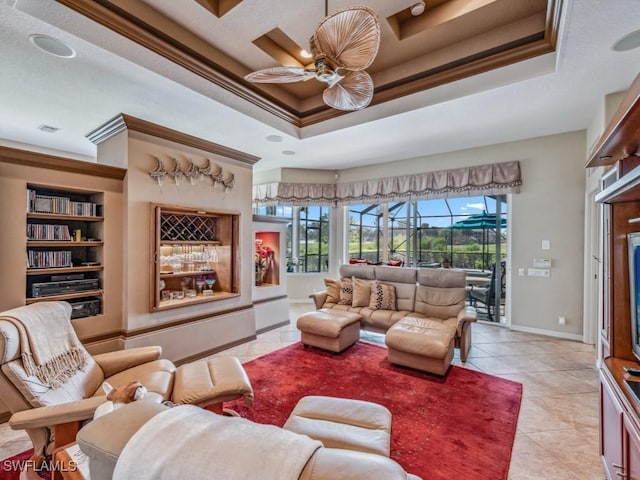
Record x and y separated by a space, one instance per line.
50 347
189 442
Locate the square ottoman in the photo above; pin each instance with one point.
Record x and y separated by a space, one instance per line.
328 329
343 423
421 343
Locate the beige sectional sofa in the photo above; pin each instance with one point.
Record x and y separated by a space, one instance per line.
436 294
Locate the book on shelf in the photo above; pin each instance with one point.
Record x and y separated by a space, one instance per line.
40 203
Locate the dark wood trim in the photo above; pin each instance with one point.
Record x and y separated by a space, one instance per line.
4 417
188 56
271 299
127 334
113 335
212 351
273 327
621 138
53 162
109 15
123 122
184 321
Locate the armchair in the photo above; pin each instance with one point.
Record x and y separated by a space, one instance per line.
51 400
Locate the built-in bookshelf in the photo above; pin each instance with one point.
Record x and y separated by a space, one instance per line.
194 256
64 258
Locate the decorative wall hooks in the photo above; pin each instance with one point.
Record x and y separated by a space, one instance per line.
159 172
177 172
216 174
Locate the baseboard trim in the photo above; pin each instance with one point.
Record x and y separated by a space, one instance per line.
549 333
300 301
212 351
273 327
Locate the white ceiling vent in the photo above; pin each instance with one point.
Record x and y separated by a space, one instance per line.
48 128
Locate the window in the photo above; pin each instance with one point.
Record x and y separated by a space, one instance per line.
307 236
458 231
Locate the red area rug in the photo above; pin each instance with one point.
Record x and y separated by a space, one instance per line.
461 426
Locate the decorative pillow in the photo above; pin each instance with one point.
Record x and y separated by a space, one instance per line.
361 292
333 290
346 291
383 297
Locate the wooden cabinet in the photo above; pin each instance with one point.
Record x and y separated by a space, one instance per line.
194 256
64 248
620 196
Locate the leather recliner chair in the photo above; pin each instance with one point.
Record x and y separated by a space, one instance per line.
48 413
106 439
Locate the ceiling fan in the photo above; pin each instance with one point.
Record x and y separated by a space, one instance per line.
343 46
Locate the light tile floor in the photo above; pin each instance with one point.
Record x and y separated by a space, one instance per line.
557 435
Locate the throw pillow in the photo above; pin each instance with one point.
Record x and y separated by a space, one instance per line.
361 292
383 297
346 291
333 290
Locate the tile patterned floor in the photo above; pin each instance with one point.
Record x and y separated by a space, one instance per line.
557 435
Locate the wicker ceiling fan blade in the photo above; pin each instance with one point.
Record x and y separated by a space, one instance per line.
351 37
353 92
280 75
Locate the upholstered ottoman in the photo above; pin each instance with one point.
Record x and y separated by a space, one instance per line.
328 329
343 423
209 383
422 344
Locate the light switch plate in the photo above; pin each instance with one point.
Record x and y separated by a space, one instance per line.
546 245
538 272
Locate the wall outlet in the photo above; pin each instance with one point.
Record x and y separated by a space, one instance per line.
546 245
521 272
562 320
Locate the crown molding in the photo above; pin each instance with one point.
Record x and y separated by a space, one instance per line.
53 162
124 122
187 54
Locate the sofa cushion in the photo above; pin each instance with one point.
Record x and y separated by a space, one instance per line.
366 272
383 296
333 290
441 277
346 291
361 292
404 281
439 302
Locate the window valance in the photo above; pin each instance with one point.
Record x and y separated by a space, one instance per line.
493 179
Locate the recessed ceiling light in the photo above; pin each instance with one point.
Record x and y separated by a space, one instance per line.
305 54
48 128
52 46
628 42
417 9
274 138
288 152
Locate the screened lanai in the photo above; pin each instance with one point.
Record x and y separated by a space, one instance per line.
431 233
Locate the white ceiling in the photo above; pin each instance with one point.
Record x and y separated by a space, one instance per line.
546 95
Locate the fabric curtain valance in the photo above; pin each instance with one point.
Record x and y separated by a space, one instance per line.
493 179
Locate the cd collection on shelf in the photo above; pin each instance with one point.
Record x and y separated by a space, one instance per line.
48 232
48 259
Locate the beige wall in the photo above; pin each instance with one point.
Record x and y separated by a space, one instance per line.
211 330
549 207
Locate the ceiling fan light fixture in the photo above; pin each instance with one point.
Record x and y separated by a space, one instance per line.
417 9
628 42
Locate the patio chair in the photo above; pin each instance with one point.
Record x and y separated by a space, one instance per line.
486 295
